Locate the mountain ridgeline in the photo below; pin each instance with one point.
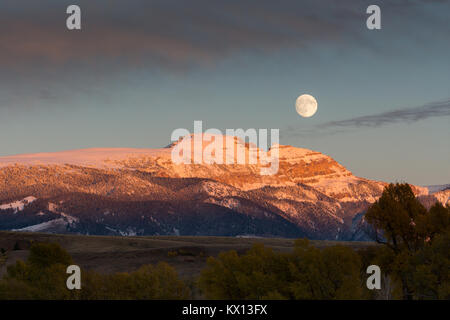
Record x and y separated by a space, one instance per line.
142 192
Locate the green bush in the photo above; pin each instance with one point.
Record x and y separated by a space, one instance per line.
307 273
43 276
147 283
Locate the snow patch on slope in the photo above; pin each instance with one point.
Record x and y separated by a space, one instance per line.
95 157
54 209
443 197
437 188
55 223
18 205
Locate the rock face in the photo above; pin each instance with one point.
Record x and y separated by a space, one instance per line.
443 196
143 192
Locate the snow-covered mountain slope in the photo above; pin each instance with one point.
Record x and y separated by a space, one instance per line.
443 196
18 205
296 165
437 188
142 191
95 157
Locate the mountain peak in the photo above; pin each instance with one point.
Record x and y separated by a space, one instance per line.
296 166
142 191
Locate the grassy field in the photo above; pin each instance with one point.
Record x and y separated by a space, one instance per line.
124 254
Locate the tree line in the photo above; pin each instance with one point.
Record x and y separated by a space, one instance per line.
413 253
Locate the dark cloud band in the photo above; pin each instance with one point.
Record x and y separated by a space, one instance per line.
405 115
435 109
175 32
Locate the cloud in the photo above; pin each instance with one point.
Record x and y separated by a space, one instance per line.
175 33
162 32
435 109
406 115
40 59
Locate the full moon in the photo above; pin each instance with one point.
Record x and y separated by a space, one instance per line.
306 105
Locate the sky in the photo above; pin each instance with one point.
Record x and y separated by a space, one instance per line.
139 69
